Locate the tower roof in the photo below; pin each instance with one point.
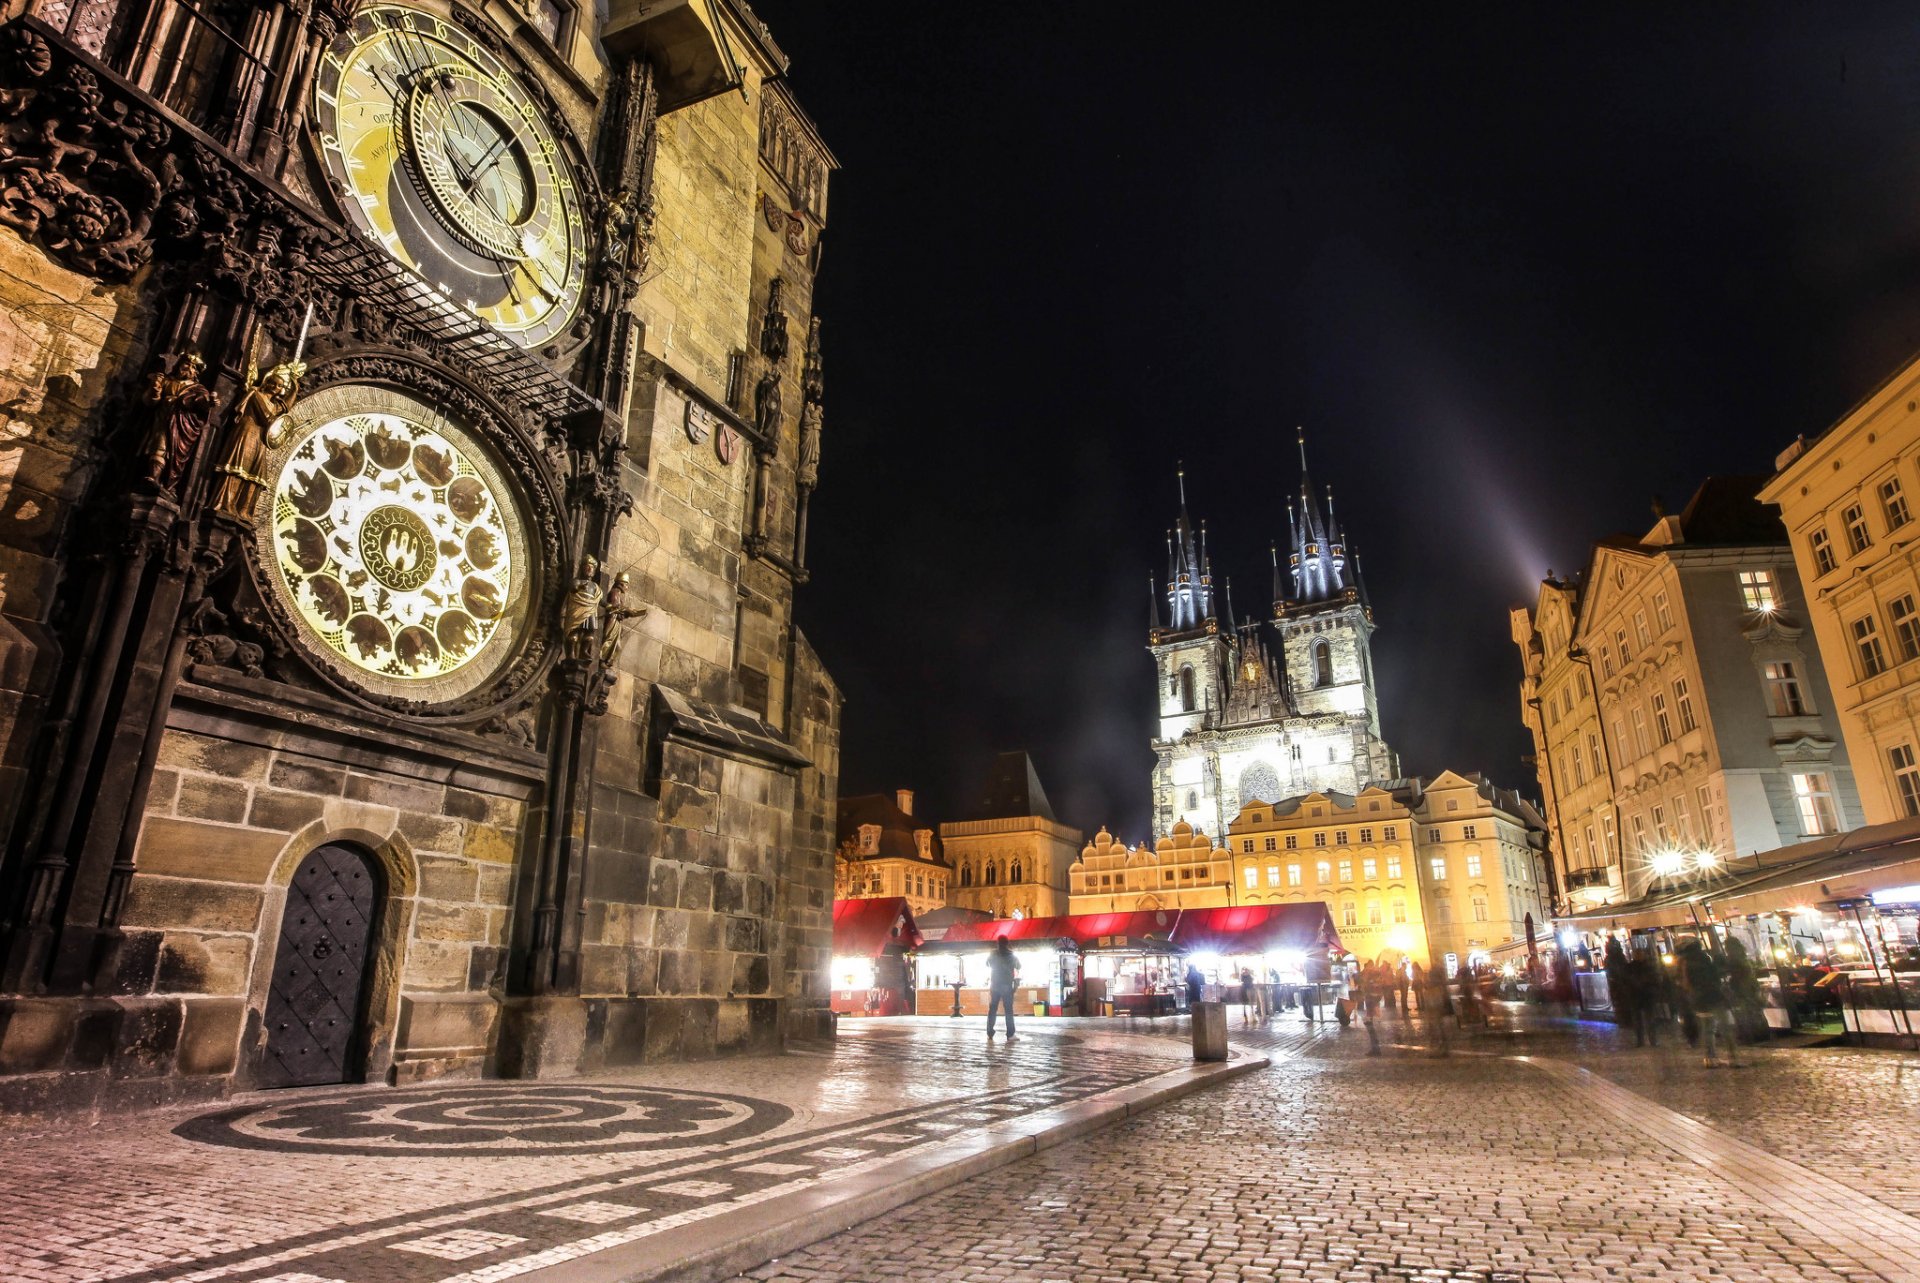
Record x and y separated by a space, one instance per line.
1317 563
1012 790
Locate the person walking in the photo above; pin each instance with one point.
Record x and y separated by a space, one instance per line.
1707 998
1003 970
1619 983
1643 991
1434 1010
1418 975
1246 996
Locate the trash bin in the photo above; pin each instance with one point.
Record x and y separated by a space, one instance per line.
1209 1031
1039 1008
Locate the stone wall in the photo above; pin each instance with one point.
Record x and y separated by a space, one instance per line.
64 339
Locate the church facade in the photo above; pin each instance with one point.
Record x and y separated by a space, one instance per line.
411 415
1270 708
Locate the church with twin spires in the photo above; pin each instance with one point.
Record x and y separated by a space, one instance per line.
1264 709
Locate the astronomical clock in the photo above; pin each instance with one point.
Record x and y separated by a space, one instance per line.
397 533
441 155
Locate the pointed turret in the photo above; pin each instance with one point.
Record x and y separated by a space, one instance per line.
1189 574
1318 560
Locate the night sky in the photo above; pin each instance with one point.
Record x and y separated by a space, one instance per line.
1516 270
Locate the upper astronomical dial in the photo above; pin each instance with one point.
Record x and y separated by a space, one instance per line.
445 159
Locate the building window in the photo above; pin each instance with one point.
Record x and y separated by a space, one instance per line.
1293 875
1626 651
1641 633
1639 836
966 875
1866 641
1906 626
1273 875
1320 839
1270 845
1339 837
1393 866
1703 797
1579 765
1660 825
1479 908
1906 773
1246 845
1349 914
1433 835
1293 841
1366 835
1473 862
1756 589
1893 504
1680 818
1438 867
1683 702
1468 831
1373 913
1193 799
1387 834
1606 827
1606 660
1186 688
1822 549
1854 518
1813 794
1322 664
1369 868
1586 690
1662 724
1639 716
1783 690
1346 870
1323 871
993 874
1016 878
1662 612
1399 910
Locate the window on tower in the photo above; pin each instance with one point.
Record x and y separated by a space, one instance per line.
1322 664
1186 688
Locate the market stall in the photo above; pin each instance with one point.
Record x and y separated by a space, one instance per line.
954 976
1094 964
872 974
1285 946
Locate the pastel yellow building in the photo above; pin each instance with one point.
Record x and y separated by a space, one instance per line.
885 851
1183 870
1443 870
1847 500
1010 852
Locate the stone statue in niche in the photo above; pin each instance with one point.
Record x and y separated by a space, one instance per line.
812 393
773 326
257 425
614 614
580 615
766 405
180 404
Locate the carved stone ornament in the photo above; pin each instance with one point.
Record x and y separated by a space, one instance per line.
791 225
726 444
451 533
700 422
97 180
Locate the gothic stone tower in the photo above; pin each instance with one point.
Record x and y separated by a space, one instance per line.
1244 720
414 410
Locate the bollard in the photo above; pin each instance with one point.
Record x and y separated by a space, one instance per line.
1209 1031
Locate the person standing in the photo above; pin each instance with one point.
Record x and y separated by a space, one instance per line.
1434 1006
1643 997
1003 970
1246 995
1619 984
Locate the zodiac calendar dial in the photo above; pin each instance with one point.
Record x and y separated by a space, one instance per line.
443 157
394 540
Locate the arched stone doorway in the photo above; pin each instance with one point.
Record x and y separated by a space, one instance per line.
316 1004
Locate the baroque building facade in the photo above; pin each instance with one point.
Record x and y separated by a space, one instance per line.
1010 853
1680 713
413 413
1183 870
1847 500
1265 710
885 851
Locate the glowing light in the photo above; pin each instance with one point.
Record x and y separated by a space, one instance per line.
1896 895
1569 940
1706 860
1292 960
1667 863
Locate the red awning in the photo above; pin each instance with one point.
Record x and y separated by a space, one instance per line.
1256 928
864 928
1088 930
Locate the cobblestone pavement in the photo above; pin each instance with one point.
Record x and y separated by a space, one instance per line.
478 1181
1505 1161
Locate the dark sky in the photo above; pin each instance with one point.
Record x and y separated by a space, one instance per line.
1516 270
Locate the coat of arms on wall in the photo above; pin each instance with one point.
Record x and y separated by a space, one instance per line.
700 422
787 222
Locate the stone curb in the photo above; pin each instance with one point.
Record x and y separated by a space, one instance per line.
719 1247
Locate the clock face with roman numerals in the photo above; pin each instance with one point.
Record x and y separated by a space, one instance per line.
442 156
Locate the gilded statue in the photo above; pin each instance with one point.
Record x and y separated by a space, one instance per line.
180 404
580 614
258 424
614 613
